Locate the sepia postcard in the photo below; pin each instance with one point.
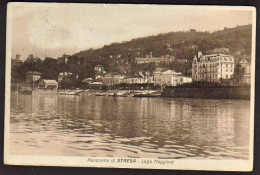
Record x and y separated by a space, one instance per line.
130 86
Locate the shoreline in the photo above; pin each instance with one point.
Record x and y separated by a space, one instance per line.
204 92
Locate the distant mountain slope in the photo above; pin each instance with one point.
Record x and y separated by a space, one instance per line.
183 45
119 57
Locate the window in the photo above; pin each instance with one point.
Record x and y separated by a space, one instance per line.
226 70
230 70
226 65
226 76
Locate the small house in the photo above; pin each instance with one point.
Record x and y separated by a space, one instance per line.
33 76
48 84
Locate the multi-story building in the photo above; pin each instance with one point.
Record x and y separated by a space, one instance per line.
182 61
16 61
118 79
212 68
108 80
135 80
99 69
111 80
33 76
157 76
246 75
150 59
170 78
63 75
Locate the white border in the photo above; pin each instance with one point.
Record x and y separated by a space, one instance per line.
184 164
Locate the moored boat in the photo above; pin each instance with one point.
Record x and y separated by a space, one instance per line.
120 94
147 94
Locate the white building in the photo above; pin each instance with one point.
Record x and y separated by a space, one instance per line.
99 69
212 68
135 80
118 79
150 59
33 76
48 84
170 78
157 77
62 75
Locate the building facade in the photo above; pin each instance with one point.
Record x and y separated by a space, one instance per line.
99 69
157 77
16 61
112 80
150 59
212 68
246 75
63 75
48 84
170 78
33 76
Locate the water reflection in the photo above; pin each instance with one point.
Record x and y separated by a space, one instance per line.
129 127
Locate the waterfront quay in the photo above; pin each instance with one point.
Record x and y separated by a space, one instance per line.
207 92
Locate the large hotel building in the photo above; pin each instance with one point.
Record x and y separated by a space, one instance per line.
212 68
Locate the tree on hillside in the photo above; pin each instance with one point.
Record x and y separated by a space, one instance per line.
238 72
32 63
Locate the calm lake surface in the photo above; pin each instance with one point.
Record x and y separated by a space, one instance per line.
62 125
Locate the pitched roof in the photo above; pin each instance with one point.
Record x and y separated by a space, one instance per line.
213 55
96 83
171 72
34 72
86 80
50 81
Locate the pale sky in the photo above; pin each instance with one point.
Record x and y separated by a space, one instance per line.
51 29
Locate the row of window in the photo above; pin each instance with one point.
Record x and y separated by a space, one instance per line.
218 59
214 76
214 65
213 70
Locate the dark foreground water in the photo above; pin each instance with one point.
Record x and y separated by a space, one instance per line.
129 127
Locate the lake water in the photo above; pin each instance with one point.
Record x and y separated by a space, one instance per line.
62 125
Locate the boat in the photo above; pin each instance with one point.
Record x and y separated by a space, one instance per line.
120 94
62 92
71 93
79 91
100 94
110 94
147 94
